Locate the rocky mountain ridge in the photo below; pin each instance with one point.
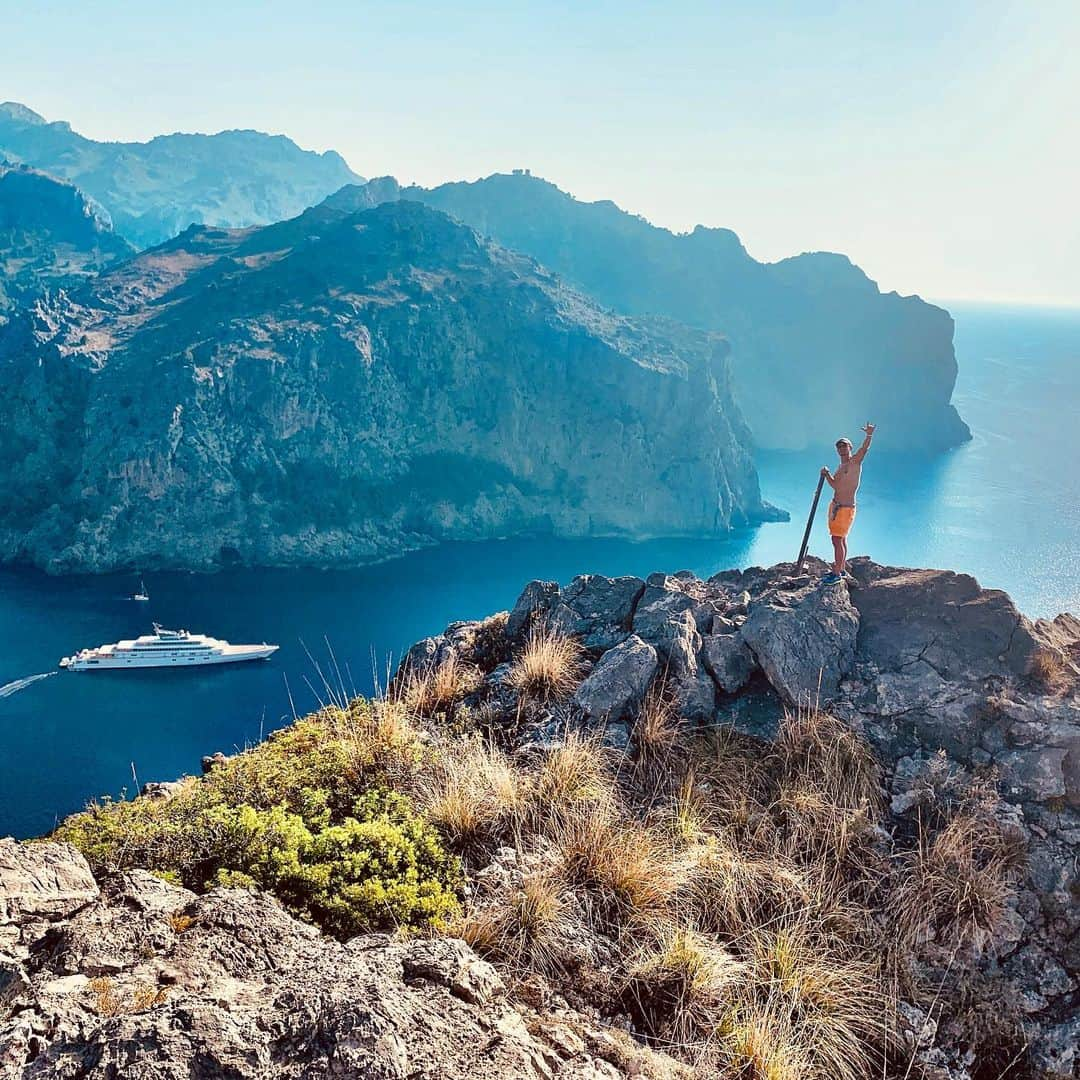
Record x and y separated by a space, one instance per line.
51 236
154 190
346 386
814 325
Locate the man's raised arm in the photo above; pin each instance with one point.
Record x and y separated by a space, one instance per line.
859 454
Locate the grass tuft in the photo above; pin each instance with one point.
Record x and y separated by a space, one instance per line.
430 690
548 667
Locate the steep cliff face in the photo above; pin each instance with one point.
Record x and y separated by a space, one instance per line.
50 235
153 190
346 387
817 347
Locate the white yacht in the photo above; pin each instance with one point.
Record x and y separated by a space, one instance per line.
165 648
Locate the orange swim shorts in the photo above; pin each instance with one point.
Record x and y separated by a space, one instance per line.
840 519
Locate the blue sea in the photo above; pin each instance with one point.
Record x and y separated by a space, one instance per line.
1004 507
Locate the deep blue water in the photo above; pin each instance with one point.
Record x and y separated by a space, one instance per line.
1005 507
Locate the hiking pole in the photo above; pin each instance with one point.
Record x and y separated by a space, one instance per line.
809 524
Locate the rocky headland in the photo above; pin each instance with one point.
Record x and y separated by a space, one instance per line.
747 826
803 324
156 189
347 386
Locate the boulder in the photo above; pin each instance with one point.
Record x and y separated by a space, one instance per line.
803 641
597 610
536 600
939 619
617 685
728 661
655 608
679 646
42 881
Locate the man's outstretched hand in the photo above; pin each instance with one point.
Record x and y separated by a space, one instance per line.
868 429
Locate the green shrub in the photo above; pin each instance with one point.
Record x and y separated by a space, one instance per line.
307 816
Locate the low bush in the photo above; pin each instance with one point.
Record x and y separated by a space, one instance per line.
307 816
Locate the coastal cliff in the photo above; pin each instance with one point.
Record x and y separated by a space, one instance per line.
613 840
347 386
815 343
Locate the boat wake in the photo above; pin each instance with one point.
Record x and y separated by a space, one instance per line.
21 684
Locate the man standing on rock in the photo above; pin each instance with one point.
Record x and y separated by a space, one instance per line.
845 483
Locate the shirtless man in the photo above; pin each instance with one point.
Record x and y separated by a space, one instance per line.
845 482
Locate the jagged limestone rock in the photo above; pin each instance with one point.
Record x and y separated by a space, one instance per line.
619 682
803 641
239 988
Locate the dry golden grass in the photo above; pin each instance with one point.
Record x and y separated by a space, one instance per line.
145 997
627 869
758 1044
433 689
180 922
687 818
678 985
1048 669
523 930
577 774
548 667
729 768
730 889
810 1005
820 753
742 897
956 884
656 734
107 1002
474 795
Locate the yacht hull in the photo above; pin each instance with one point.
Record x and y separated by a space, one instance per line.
235 654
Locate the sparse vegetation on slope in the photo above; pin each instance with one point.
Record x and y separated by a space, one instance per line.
733 899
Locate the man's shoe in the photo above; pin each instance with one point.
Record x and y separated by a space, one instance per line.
831 578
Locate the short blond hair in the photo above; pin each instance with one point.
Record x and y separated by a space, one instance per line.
846 442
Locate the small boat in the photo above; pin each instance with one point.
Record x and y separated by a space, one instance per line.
142 594
165 648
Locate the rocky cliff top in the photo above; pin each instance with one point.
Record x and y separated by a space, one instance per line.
650 831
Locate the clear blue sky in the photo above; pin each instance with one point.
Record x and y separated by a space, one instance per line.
938 144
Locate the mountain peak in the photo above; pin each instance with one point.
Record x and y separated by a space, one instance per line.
21 114
153 190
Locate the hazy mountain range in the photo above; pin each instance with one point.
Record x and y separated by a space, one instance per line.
818 348
364 375
153 190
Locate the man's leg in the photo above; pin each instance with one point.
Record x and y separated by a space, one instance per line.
839 554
